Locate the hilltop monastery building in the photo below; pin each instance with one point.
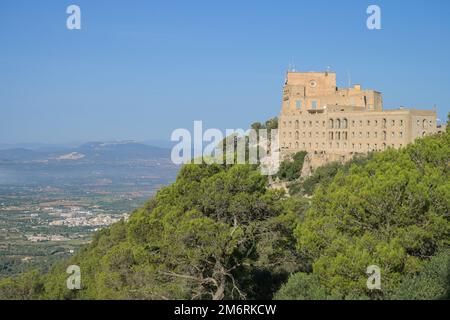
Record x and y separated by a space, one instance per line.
333 124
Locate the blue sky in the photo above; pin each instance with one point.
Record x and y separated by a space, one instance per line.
140 69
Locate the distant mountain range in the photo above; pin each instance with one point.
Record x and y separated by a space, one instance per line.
91 151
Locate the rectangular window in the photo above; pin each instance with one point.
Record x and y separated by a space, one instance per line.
314 104
298 104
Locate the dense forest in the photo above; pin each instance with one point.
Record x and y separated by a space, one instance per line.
221 232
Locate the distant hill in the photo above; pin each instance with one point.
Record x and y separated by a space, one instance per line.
120 151
96 151
166 144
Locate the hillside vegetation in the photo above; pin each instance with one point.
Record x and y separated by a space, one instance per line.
219 232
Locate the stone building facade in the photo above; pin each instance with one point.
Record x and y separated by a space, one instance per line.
333 124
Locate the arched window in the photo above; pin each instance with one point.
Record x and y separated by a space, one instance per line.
297 124
331 123
338 123
297 135
331 135
384 135
344 123
424 123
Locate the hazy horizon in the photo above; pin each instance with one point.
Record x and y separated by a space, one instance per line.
74 144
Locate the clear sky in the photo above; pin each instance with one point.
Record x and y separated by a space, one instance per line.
140 69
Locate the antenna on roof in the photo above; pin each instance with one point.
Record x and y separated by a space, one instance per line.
349 79
292 65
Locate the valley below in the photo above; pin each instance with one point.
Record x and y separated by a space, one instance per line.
51 203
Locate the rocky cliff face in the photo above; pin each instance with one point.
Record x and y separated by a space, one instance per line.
315 160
